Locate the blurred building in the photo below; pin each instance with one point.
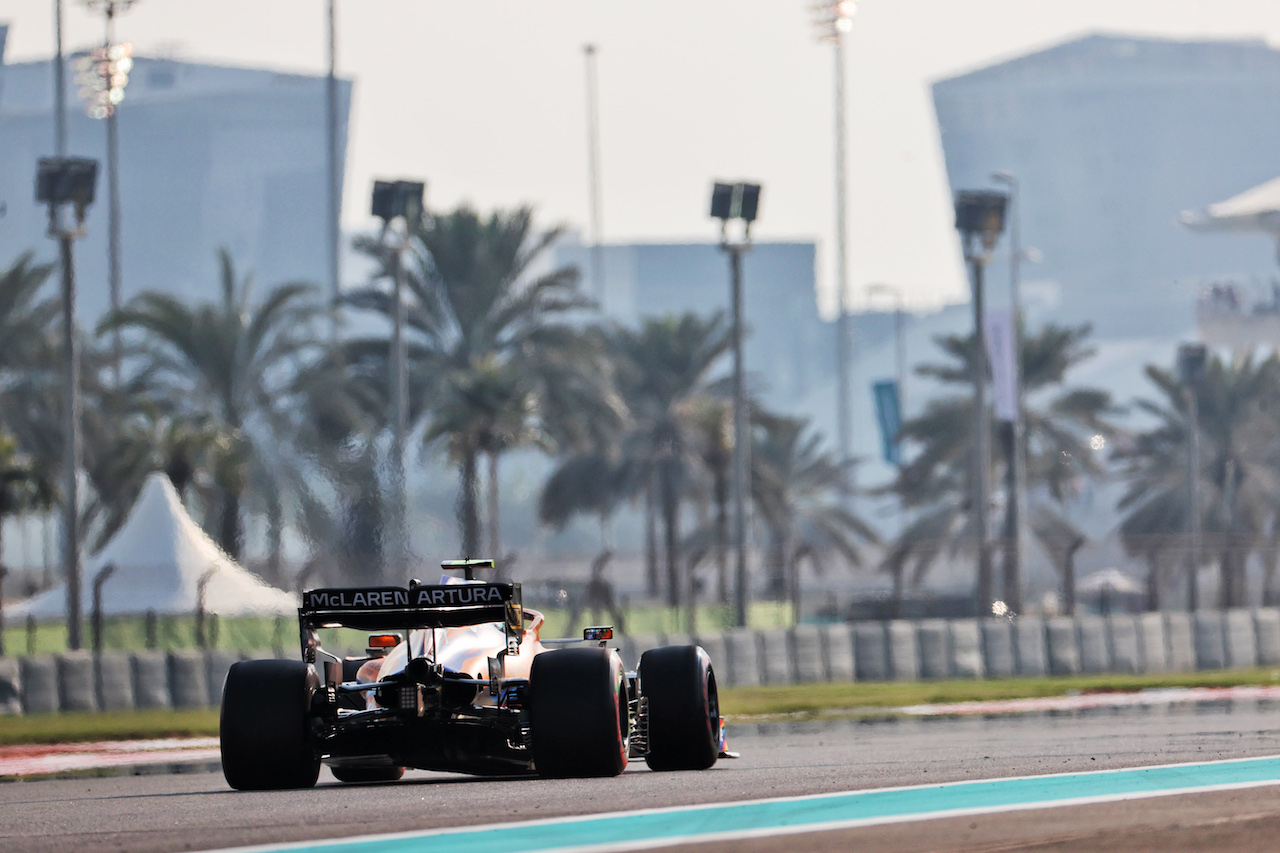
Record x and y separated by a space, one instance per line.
210 157
1111 138
789 350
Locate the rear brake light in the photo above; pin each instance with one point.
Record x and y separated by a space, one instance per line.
384 641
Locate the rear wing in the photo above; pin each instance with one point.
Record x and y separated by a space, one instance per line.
385 608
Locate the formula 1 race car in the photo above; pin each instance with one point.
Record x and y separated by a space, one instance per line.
469 686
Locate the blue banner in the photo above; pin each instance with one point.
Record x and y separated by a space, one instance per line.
889 416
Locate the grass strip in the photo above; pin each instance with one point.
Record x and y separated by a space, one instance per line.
811 701
108 725
738 704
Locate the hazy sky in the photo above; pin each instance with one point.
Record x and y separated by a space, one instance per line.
486 101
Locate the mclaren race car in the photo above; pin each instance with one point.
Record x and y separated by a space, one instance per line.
457 677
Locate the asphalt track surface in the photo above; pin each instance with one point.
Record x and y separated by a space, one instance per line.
196 811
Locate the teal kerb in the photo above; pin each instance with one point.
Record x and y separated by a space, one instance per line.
623 830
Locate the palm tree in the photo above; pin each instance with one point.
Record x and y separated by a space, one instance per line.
663 374
1239 471
238 361
24 485
29 375
937 482
799 490
495 361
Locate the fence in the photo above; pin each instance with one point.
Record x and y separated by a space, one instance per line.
897 650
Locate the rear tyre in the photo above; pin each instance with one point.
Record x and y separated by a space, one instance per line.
579 714
265 727
355 775
683 708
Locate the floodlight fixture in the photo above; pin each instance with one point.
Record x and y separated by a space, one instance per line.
735 201
748 201
981 213
397 198
722 201
1191 363
66 180
833 18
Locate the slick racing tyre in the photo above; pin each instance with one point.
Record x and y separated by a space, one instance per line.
683 708
265 728
372 773
579 714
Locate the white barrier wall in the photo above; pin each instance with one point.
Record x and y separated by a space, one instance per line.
864 651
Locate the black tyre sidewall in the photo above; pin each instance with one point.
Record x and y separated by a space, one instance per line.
578 713
679 686
264 727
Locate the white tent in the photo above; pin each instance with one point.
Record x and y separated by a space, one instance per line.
160 555
1255 209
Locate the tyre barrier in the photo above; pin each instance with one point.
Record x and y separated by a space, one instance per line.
966 649
837 646
75 682
1029 647
1153 642
1122 638
997 648
1266 626
1211 651
113 681
1238 639
1180 641
773 646
899 650
150 678
10 686
1094 655
904 660
870 655
808 662
1063 645
743 653
188 682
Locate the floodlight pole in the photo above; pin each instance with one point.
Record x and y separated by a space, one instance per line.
738 201
741 442
980 219
399 398
109 11
982 427
59 86
593 175
1016 479
1191 361
333 171
71 431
